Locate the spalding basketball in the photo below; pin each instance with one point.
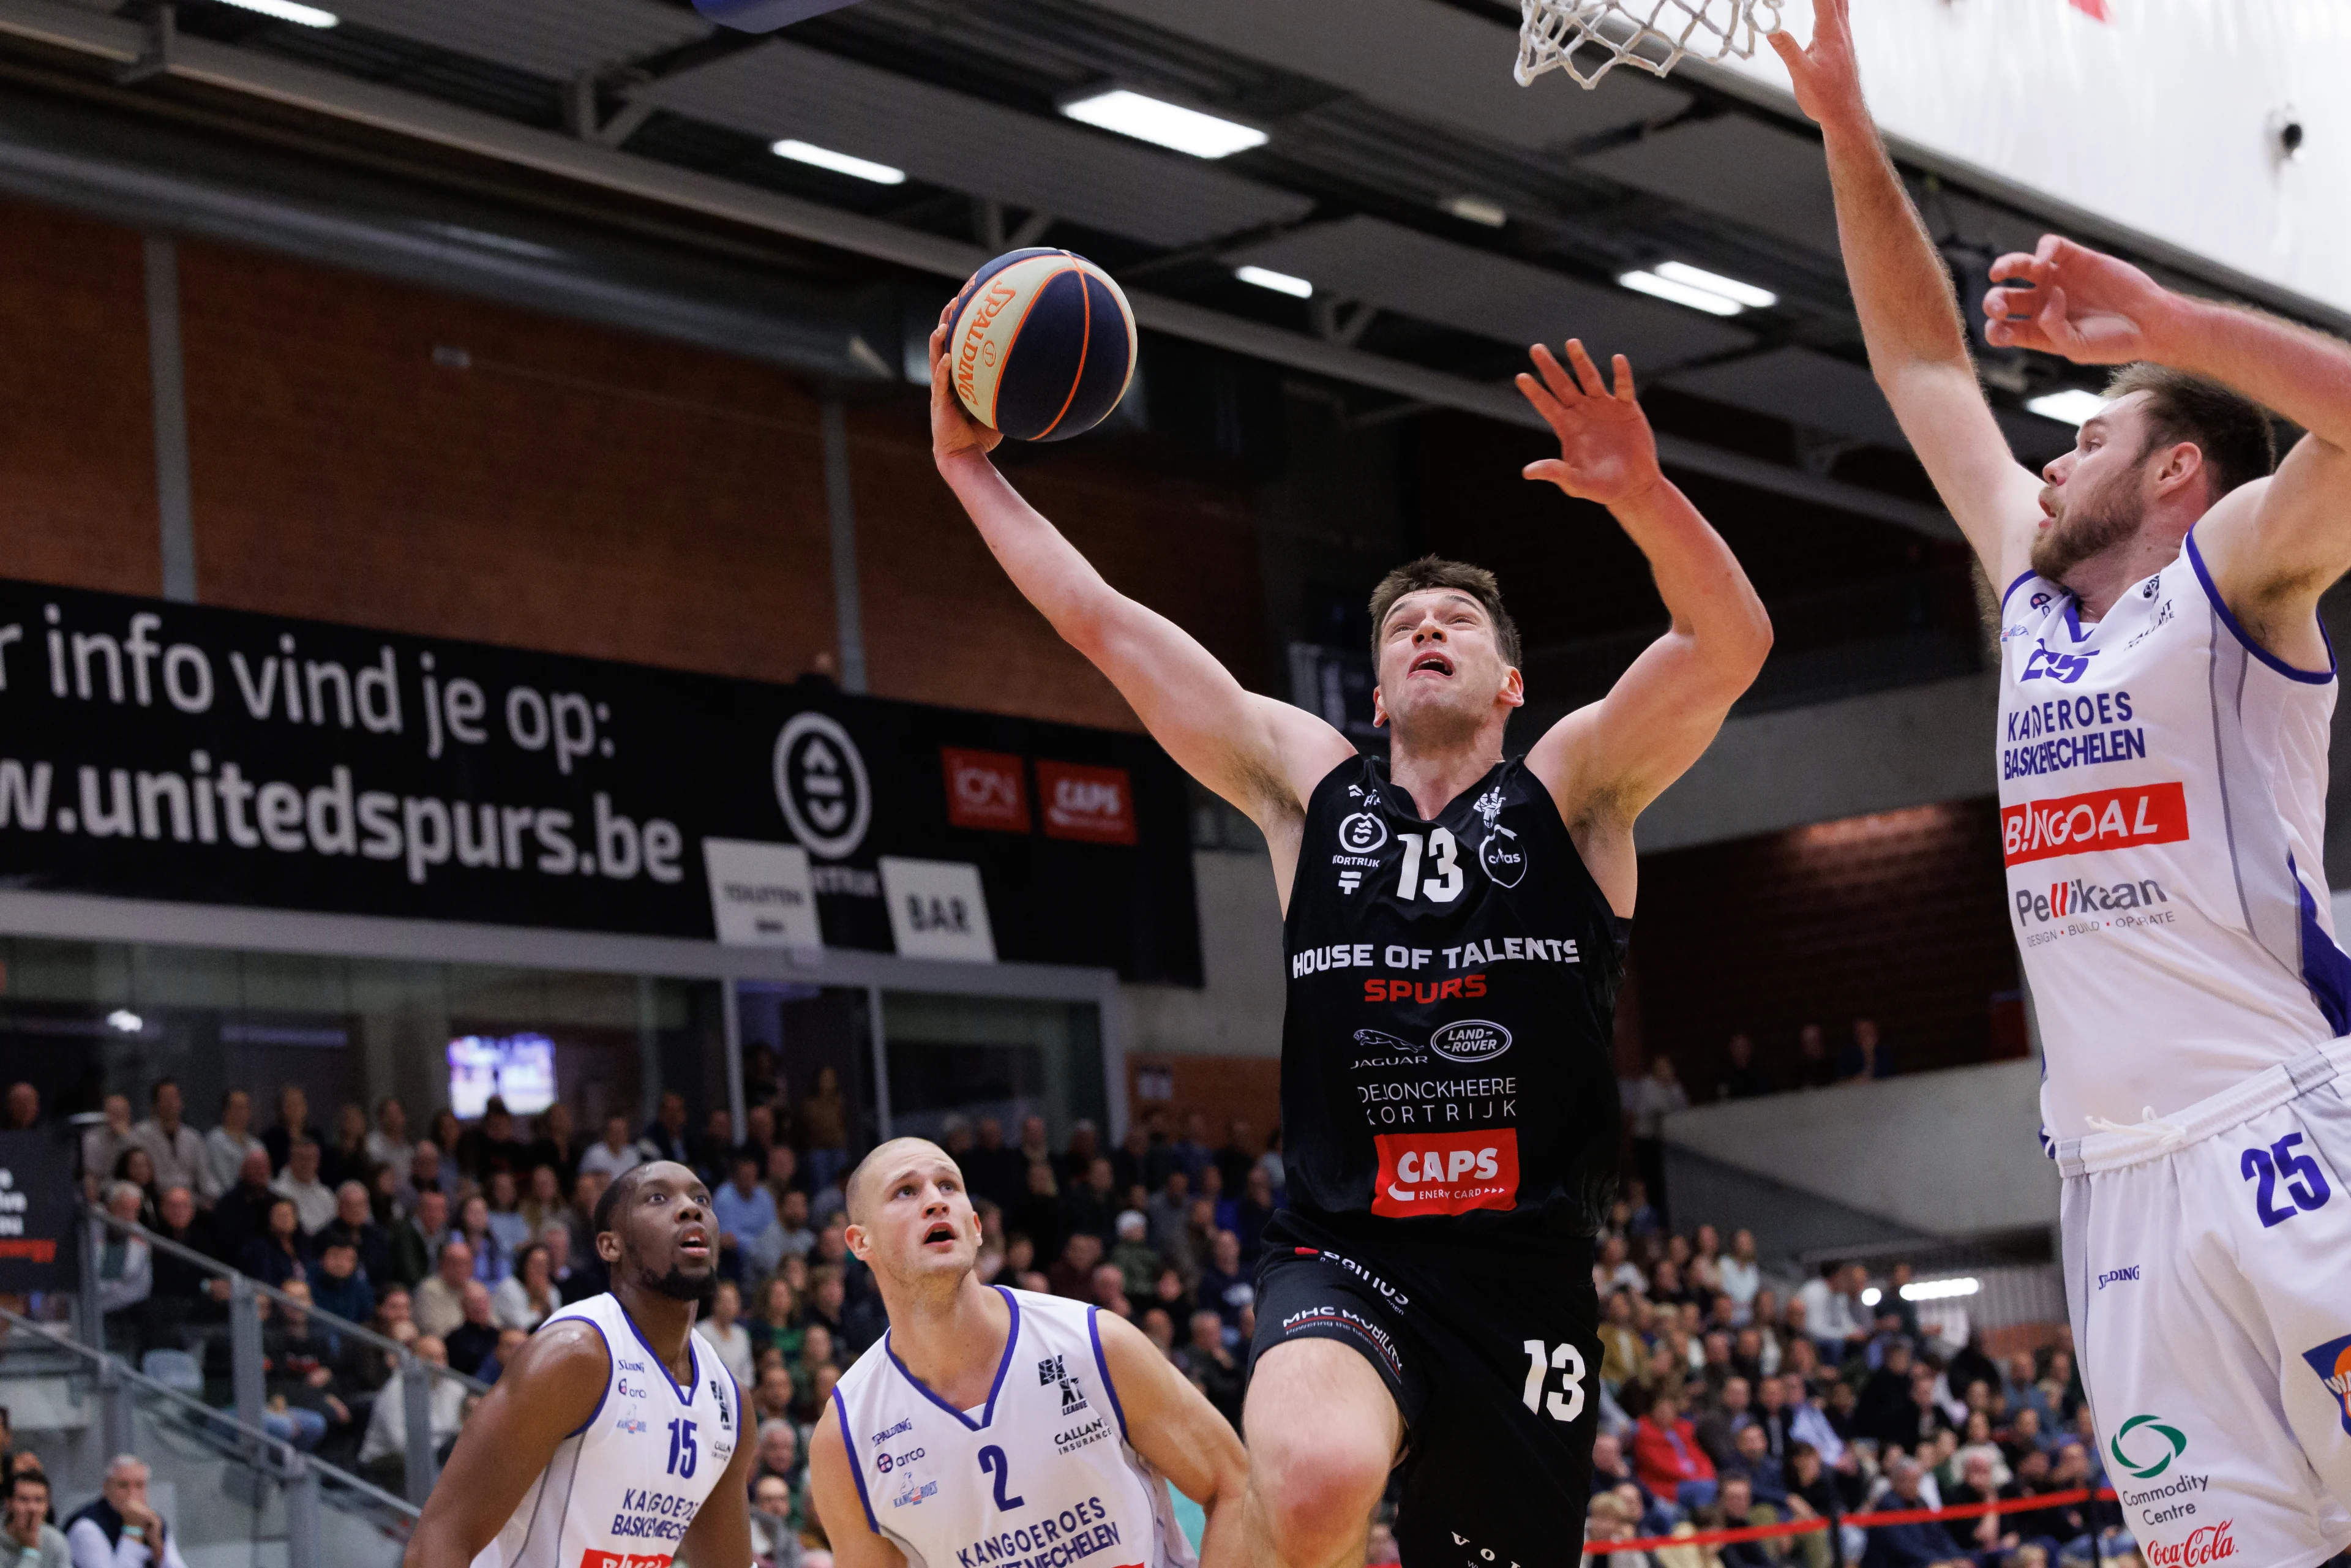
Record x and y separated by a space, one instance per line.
1043 345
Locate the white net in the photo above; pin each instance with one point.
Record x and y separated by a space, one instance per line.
1648 34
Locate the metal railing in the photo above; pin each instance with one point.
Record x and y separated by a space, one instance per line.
299 1475
247 1370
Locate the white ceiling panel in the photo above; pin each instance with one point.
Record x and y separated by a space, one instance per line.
1416 56
1737 168
782 89
1417 274
559 39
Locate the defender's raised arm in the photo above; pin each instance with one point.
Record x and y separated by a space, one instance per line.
1263 756
1910 319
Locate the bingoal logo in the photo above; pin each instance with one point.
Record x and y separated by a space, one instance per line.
2103 820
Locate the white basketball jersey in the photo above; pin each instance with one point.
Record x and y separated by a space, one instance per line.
621 1491
1041 1476
2163 804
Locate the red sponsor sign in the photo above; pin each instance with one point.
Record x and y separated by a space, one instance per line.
1095 805
594 1558
1446 1173
2209 1544
2104 819
984 789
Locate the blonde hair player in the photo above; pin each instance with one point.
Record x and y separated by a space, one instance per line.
1453 923
1000 1427
2166 693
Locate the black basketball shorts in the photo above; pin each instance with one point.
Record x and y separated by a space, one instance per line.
1492 1355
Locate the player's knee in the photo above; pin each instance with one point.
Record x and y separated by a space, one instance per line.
1315 1493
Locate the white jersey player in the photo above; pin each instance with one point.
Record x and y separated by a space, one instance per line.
996 1428
2166 693
615 1440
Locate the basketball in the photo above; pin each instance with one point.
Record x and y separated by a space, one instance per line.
1043 345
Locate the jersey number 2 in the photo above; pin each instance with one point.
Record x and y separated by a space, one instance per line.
993 1463
681 1453
2305 1184
1569 1362
1444 878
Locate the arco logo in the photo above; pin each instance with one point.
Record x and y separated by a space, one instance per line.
2172 1437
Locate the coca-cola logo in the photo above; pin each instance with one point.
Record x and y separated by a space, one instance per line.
2209 1544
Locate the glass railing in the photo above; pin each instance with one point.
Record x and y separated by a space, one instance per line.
413 1381
226 1490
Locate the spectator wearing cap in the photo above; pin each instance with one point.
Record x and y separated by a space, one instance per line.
120 1529
28 1540
314 1200
176 1148
1138 1263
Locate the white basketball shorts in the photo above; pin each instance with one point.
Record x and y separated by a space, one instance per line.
2208 1273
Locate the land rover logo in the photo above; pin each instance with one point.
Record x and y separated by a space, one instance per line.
1470 1040
821 784
1362 833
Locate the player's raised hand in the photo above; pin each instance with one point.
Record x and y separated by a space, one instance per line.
1827 80
953 429
1607 451
2066 298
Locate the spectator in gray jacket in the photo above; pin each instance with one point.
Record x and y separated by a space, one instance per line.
28 1540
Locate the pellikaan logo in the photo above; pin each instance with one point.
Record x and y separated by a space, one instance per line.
1362 832
2211 1544
2331 1361
2118 1277
1470 1040
1446 1173
2148 1456
2064 900
820 783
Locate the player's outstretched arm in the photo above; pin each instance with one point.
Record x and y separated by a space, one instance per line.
1910 319
1605 762
839 1506
720 1535
1263 756
2273 546
552 1389
1172 1425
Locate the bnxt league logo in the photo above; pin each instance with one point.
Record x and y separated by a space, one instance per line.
2331 1361
820 783
2149 1457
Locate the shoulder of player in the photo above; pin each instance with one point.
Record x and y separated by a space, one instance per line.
566 1356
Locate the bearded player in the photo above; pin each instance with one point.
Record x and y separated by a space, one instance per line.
1455 924
2166 693
1002 1427
615 1439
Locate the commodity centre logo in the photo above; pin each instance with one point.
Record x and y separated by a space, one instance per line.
2150 1456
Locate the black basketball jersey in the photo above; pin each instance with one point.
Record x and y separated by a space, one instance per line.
1447 1053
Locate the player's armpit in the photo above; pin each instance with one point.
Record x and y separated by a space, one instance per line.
841 1506
2275 546
1172 1424
720 1535
552 1390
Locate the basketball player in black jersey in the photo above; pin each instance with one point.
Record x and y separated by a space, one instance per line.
1456 920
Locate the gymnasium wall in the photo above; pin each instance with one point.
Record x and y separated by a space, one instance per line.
555 484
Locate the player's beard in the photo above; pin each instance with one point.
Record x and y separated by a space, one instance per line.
680 1286
2090 525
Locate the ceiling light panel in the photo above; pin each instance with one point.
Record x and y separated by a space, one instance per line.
1164 124
781 91
1414 274
1417 57
1737 168
559 39
2073 405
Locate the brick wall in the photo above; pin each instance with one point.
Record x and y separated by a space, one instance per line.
1900 917
77 429
567 487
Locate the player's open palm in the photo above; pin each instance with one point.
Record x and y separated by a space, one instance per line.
1827 81
1607 451
953 429
2066 298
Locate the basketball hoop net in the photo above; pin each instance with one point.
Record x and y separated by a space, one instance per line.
1622 30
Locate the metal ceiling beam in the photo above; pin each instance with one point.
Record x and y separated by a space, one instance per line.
405 114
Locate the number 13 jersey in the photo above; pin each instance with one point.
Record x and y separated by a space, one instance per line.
1447 1051
1042 1475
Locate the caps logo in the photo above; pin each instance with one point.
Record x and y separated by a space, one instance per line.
1446 1173
1092 805
984 789
2331 1361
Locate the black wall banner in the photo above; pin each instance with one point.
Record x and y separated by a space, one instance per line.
39 1225
167 751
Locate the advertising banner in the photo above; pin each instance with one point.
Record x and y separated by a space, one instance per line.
39 1227
167 751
